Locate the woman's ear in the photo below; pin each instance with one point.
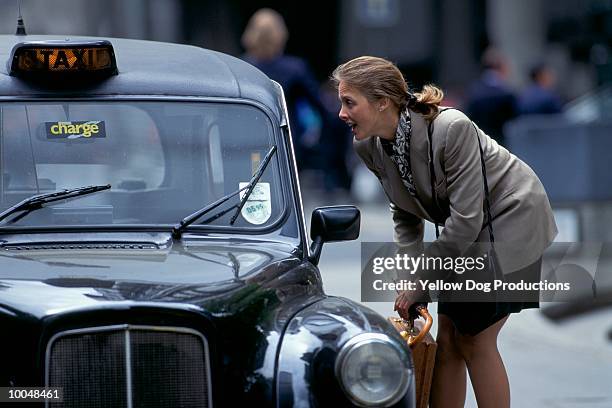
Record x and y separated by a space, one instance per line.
383 104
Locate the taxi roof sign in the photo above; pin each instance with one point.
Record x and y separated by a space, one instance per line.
66 58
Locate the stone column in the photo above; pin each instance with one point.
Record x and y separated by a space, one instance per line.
518 29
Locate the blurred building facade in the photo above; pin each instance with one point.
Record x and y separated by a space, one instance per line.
436 41
439 40
145 19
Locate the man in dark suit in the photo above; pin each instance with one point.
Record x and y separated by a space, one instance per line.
311 123
490 101
540 97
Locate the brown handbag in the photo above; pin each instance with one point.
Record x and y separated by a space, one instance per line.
423 347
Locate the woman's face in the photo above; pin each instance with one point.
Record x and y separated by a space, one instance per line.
358 112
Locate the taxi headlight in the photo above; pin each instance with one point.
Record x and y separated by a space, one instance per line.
373 370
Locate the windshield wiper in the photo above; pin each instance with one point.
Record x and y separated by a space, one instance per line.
37 201
190 219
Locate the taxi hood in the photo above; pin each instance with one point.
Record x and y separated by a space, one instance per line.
44 279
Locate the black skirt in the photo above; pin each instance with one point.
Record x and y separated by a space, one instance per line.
470 318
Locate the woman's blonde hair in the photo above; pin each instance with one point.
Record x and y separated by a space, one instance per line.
378 78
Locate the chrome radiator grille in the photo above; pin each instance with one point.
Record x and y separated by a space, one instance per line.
130 366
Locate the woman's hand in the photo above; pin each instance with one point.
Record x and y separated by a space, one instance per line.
405 301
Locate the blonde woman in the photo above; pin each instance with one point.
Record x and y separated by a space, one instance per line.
392 129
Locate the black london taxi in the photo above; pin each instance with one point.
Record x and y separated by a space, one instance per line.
153 247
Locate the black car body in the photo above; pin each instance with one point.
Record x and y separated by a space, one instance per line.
109 297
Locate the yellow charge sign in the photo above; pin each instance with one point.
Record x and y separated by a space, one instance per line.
75 130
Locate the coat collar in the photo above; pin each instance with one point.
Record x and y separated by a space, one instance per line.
419 143
419 146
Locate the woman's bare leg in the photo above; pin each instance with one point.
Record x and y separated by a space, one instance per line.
449 380
486 368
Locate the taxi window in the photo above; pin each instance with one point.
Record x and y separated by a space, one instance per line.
164 160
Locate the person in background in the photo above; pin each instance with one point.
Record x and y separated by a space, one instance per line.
264 40
540 97
490 100
339 155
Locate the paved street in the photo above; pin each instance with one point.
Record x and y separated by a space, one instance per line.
549 365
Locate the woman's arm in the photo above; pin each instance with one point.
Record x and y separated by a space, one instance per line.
408 228
464 184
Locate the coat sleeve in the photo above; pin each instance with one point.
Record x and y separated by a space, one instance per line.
408 228
464 185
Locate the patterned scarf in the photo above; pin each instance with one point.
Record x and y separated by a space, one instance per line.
399 150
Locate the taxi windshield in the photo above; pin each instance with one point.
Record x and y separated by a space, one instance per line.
163 159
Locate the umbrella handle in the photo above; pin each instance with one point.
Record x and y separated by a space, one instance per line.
411 339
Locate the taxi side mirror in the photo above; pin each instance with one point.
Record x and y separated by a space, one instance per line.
330 224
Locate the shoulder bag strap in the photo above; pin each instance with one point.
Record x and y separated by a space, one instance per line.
432 175
487 201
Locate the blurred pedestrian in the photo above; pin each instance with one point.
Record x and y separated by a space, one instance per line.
436 164
337 150
540 96
490 101
264 40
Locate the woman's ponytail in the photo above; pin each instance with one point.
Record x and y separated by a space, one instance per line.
426 102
